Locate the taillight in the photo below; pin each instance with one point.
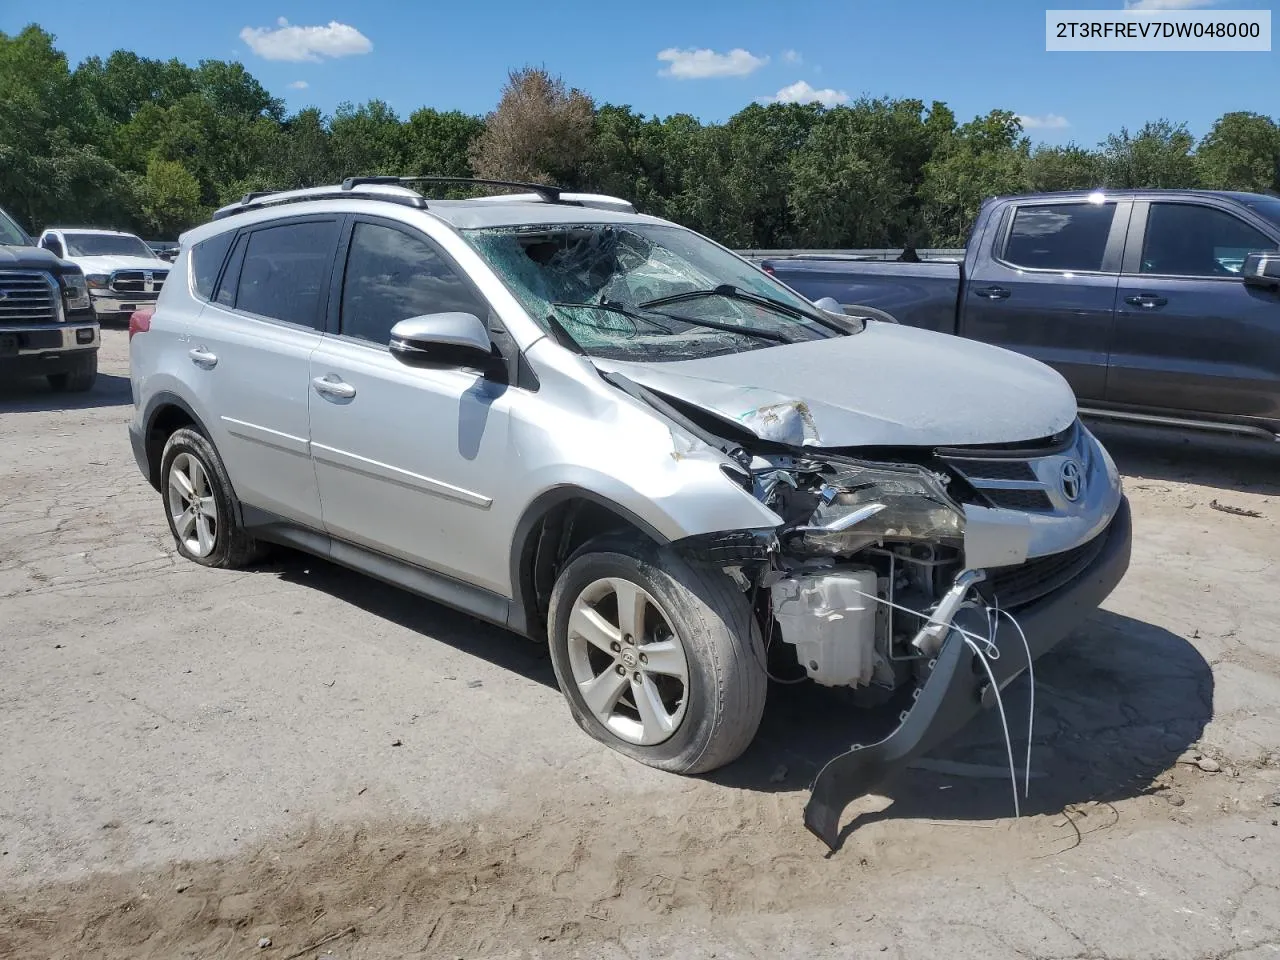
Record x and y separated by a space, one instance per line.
767 269
139 322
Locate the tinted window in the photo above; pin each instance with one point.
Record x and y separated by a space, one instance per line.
1064 236
107 245
392 276
284 271
1189 240
231 276
11 233
206 261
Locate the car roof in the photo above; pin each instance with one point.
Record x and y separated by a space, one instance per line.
1138 192
94 230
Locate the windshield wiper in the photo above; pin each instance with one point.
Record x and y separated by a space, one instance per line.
615 307
733 293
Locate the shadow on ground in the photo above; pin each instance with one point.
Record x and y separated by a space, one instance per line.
34 394
426 617
1116 704
1227 463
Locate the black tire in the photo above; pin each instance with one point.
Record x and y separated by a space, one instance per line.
79 379
722 643
233 548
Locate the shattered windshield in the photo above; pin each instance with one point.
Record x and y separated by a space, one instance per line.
638 291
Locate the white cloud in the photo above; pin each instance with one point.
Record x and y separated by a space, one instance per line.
1167 4
801 92
1050 121
299 85
700 64
792 56
297 44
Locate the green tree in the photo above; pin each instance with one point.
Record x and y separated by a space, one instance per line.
1063 168
1159 155
1241 152
985 157
366 140
170 197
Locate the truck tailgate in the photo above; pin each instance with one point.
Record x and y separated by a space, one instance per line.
917 294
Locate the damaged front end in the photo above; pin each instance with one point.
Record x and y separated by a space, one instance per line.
890 576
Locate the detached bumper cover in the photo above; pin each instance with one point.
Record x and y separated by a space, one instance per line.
954 692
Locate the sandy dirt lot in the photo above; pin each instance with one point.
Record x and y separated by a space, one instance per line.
195 760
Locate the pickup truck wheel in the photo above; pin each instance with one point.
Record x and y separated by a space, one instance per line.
79 379
199 505
658 658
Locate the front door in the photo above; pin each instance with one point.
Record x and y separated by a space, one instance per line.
1045 286
1191 337
409 459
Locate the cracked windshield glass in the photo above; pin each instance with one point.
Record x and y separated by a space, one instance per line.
645 292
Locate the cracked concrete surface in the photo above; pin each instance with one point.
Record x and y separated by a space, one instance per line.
195 759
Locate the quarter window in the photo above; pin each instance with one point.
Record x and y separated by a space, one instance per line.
206 261
284 271
392 276
1062 236
1192 240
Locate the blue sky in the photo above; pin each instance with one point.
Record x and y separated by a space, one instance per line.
718 55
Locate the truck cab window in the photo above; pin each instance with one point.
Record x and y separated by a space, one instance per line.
1193 240
1060 236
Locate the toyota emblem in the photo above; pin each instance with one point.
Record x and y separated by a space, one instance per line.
1072 481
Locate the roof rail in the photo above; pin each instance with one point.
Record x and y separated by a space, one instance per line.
548 193
270 198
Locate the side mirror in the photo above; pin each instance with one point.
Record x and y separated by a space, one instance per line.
53 246
446 339
1262 269
829 304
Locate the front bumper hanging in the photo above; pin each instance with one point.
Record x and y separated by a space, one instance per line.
955 690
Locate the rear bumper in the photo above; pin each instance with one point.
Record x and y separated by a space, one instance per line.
956 689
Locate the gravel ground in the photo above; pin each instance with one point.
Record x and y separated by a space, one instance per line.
196 760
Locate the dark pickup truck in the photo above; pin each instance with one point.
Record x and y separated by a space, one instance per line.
1157 306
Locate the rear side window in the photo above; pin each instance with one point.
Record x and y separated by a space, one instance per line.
284 271
206 261
1062 236
1191 240
392 276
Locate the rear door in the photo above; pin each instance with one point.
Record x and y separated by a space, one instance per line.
250 349
1044 284
1190 336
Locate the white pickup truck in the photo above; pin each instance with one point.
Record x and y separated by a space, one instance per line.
123 273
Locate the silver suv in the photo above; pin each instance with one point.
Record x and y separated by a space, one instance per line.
602 430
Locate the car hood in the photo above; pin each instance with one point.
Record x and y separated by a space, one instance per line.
108 264
886 386
28 258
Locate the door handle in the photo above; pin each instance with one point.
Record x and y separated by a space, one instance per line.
333 387
992 293
202 358
1146 300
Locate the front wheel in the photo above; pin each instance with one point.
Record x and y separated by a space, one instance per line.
658 658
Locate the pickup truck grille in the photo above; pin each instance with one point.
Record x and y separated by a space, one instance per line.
138 281
1019 586
27 297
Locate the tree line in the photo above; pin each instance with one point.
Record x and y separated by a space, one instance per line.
154 146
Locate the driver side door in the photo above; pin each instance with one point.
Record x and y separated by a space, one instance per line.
409 459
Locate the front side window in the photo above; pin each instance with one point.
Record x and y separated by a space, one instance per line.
644 291
1060 236
284 271
1192 240
10 233
107 245
392 276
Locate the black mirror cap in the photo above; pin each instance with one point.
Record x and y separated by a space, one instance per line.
1262 269
445 340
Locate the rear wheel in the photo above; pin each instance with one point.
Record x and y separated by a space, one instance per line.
658 658
80 378
199 503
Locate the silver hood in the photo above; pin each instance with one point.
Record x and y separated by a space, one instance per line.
889 385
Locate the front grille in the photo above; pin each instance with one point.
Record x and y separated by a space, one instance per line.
138 281
995 469
27 296
1016 499
1015 587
